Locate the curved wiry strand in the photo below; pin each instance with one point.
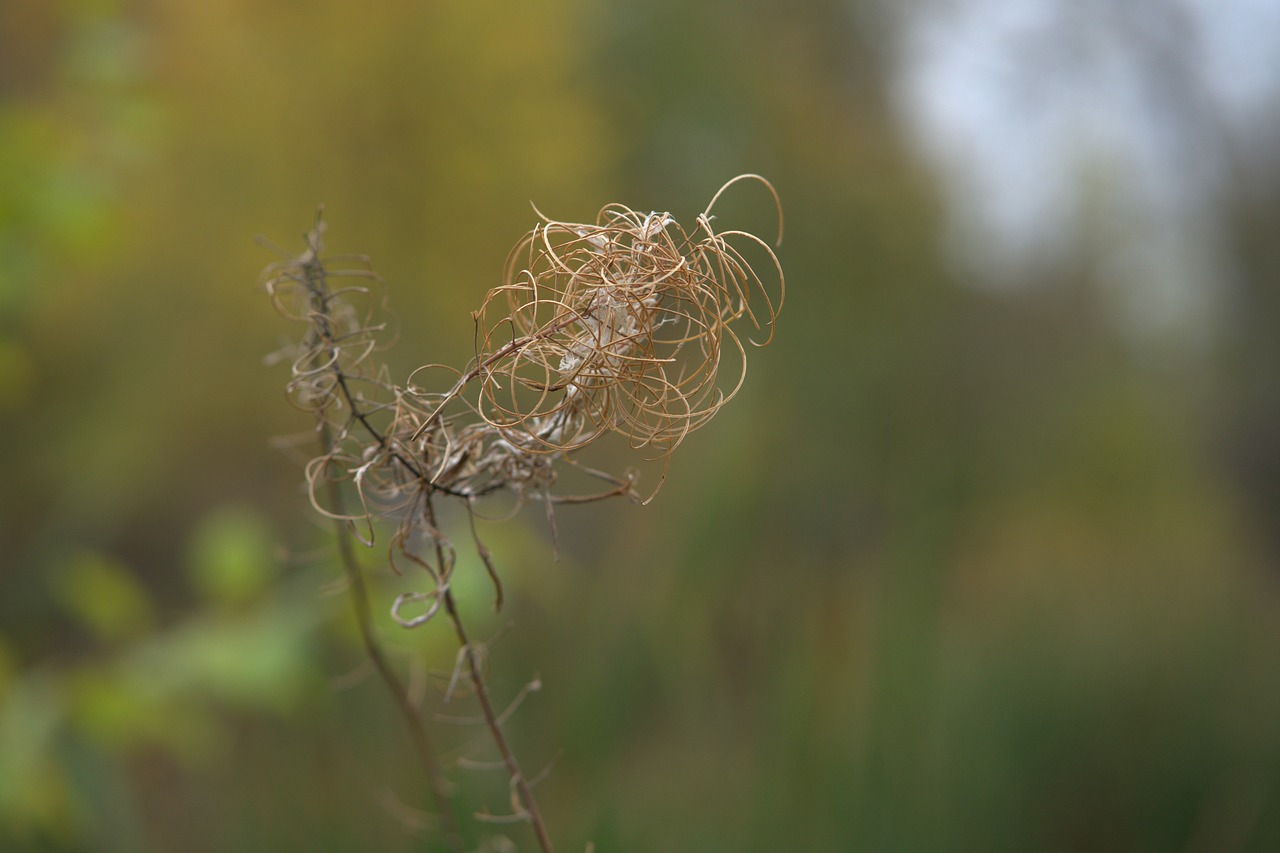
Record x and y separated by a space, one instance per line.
617 326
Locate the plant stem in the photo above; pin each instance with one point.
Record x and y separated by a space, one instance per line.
476 677
495 728
440 789
317 286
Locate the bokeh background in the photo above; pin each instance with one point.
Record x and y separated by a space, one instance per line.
984 557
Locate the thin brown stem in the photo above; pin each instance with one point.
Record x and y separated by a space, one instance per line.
440 787
316 282
439 783
318 287
495 728
491 718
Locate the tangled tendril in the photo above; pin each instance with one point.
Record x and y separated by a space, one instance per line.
621 325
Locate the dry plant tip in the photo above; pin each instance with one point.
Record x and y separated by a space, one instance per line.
631 326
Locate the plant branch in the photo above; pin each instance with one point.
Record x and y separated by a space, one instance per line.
527 801
440 788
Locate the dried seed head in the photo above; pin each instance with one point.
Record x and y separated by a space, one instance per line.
623 325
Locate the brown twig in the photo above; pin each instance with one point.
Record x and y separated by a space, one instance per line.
440 787
528 804
438 782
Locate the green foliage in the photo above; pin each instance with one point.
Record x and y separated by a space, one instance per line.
32 788
103 596
17 376
232 557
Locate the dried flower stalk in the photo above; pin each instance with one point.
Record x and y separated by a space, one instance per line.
624 326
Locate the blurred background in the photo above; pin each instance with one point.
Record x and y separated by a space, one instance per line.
984 557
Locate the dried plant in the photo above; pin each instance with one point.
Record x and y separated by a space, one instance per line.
625 326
